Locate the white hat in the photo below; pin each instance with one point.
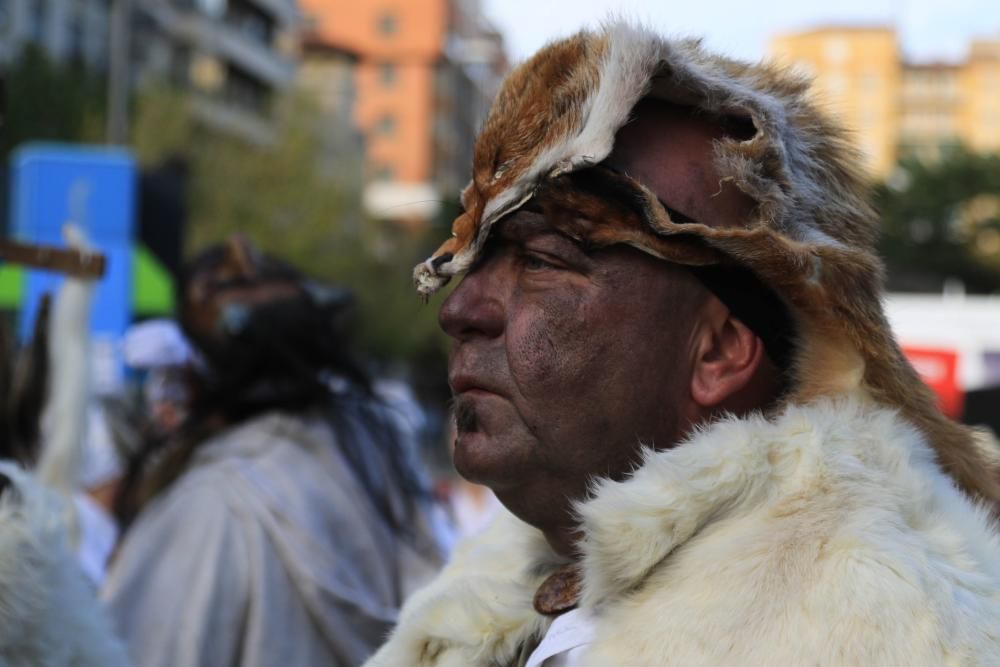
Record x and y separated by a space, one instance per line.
156 343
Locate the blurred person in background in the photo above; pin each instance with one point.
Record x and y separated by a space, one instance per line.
98 476
286 519
161 353
116 428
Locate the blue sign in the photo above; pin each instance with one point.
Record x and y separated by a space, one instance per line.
94 189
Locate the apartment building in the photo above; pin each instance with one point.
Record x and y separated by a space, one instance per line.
894 107
424 72
64 29
232 55
979 120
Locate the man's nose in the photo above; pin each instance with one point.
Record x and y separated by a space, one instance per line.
474 308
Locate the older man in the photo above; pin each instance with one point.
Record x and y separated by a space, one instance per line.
672 366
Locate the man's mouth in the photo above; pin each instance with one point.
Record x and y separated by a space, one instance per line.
461 383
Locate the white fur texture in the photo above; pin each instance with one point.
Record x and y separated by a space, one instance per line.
478 611
827 536
49 615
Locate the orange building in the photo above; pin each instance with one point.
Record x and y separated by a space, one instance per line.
417 77
894 107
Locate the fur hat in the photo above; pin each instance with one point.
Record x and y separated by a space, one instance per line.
811 238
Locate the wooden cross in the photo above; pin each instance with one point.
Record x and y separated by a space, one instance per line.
77 263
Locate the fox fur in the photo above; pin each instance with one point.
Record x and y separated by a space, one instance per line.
811 237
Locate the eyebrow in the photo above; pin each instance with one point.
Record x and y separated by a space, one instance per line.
521 227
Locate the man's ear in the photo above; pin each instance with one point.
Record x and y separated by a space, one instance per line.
727 356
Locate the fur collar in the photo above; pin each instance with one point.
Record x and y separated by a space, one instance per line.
844 454
737 466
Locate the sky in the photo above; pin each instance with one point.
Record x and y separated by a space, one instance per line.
929 30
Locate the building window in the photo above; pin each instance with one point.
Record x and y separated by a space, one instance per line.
386 126
214 8
4 14
244 91
387 24
36 28
180 65
387 74
836 84
76 46
207 73
251 22
836 50
871 82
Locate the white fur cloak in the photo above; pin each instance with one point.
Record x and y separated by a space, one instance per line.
825 536
49 613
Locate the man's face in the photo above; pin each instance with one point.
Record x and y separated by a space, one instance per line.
564 363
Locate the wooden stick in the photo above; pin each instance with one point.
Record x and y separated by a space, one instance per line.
50 258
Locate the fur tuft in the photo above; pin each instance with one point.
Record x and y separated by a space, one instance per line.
478 611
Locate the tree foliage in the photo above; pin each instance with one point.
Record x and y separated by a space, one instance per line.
941 221
46 101
277 195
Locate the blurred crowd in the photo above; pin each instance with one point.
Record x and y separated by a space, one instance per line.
254 496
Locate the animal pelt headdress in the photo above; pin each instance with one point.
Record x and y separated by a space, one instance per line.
811 237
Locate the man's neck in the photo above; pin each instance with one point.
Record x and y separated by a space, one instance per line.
563 540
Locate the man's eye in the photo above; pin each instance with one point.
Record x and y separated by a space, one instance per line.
535 263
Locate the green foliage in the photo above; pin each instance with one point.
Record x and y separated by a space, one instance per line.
50 102
277 196
942 220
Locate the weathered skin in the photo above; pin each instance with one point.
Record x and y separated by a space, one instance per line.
567 362
558 354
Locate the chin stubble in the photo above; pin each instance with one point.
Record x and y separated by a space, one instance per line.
465 416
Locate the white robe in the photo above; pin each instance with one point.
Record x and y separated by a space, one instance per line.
265 552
